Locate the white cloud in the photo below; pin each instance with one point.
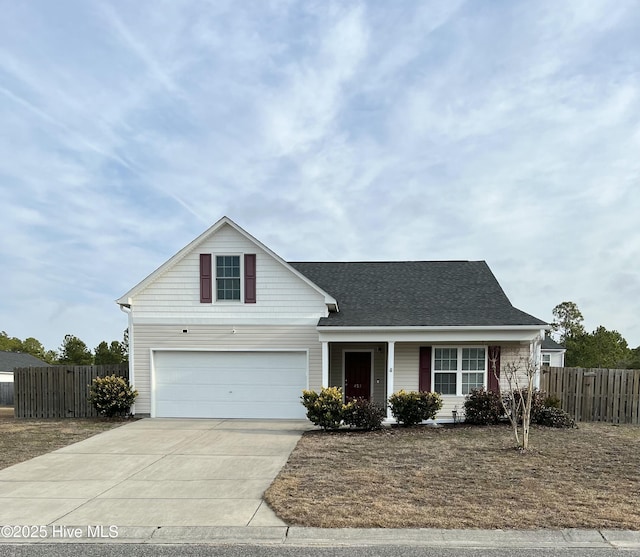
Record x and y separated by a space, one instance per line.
437 130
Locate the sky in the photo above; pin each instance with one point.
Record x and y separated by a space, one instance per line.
498 130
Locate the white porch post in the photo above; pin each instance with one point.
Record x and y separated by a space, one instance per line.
325 364
536 357
391 361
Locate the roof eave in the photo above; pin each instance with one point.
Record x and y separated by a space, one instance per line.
532 327
432 335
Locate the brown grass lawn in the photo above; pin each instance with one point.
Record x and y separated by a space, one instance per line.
23 439
463 477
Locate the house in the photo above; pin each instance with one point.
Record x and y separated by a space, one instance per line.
227 329
8 362
552 353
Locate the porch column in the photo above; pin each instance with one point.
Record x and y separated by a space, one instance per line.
391 362
325 364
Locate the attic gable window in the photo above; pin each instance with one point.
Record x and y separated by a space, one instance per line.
228 277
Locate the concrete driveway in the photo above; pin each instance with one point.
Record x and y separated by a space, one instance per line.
155 472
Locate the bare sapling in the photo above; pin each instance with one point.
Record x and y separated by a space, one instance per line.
517 401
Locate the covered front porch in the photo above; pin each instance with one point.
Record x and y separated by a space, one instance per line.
368 365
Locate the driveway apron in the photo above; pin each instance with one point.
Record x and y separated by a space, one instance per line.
155 472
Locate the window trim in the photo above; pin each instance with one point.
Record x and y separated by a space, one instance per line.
459 371
240 257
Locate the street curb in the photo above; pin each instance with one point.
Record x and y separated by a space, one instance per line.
302 536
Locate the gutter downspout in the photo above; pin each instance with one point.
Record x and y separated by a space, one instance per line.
127 310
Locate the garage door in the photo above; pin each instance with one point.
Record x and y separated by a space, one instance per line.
229 384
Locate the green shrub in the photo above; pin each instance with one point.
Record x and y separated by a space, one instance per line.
554 417
552 402
324 409
482 407
111 395
411 408
363 414
537 402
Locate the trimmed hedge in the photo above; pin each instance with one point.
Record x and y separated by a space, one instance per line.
363 414
411 408
111 395
324 409
554 417
482 407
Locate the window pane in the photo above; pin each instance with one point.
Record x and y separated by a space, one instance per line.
228 289
446 359
472 381
228 277
445 383
473 359
228 266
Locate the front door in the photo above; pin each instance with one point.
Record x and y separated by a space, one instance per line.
357 375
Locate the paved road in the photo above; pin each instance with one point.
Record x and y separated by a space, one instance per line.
125 550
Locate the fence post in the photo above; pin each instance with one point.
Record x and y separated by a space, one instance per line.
588 378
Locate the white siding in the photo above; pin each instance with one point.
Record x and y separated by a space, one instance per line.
280 293
284 316
407 366
517 355
556 358
149 337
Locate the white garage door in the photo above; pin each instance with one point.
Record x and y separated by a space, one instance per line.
229 384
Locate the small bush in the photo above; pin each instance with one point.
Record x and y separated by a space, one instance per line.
324 409
482 407
552 402
364 414
411 408
554 417
537 402
111 395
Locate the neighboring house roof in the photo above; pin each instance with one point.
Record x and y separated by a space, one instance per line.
549 344
414 293
11 360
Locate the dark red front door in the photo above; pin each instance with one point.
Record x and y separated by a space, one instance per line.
357 375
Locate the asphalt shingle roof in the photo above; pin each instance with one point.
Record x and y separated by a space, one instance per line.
414 293
11 360
549 344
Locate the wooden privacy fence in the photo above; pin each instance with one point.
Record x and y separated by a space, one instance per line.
58 391
596 395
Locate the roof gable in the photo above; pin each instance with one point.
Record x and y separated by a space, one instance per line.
415 293
125 300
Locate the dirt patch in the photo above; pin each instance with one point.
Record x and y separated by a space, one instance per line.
463 477
22 439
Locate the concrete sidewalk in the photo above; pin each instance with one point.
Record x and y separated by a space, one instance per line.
157 473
